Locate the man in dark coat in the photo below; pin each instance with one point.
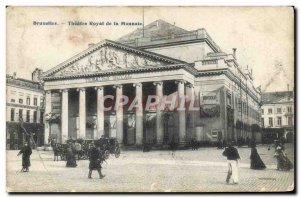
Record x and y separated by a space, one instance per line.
233 156
95 161
26 151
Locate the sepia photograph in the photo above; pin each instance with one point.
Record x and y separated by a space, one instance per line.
150 99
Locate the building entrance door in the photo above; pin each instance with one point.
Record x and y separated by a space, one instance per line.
149 136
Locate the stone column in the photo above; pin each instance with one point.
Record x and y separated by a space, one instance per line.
139 114
100 112
82 113
119 113
159 113
192 113
235 110
47 114
38 115
181 112
64 115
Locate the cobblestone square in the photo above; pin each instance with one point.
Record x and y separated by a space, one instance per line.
203 170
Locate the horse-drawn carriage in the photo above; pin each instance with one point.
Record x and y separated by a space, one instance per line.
81 148
108 146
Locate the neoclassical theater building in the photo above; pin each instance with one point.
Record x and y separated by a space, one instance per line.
161 60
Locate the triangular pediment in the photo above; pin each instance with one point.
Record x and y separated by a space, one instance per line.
109 56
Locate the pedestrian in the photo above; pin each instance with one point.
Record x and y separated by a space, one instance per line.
26 151
233 156
283 162
95 161
220 144
256 161
78 150
71 160
56 151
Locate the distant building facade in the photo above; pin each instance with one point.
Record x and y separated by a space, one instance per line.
277 115
160 60
24 111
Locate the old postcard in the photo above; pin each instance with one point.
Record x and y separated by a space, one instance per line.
150 99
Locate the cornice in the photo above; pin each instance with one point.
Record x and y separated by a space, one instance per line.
23 106
127 71
113 44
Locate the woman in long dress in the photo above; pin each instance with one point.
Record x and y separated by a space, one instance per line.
283 162
71 160
256 162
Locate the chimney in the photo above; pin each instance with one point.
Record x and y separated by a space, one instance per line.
91 45
288 87
14 75
251 71
234 52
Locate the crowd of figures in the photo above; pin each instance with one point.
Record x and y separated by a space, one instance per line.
98 151
256 163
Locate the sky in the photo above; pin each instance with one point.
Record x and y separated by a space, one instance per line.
263 36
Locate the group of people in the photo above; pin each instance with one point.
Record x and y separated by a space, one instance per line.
233 157
95 156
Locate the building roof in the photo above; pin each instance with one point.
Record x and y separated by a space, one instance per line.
161 33
24 83
277 97
158 28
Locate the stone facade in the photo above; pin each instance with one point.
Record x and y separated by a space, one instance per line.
190 64
24 104
277 115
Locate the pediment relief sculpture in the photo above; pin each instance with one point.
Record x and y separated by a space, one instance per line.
109 58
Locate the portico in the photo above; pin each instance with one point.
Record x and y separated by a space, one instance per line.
83 85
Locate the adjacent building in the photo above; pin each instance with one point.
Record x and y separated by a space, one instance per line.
24 111
277 115
160 59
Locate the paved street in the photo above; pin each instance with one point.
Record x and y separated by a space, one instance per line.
201 171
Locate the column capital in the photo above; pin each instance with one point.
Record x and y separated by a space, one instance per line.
63 90
137 84
100 88
48 92
180 81
81 89
158 83
117 86
190 86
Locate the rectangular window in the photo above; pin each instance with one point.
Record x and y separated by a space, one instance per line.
12 114
228 99
28 116
279 121
42 117
12 100
278 110
41 101
290 121
28 100
262 122
270 122
21 101
35 101
270 111
262 111
240 106
20 114
289 109
34 116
